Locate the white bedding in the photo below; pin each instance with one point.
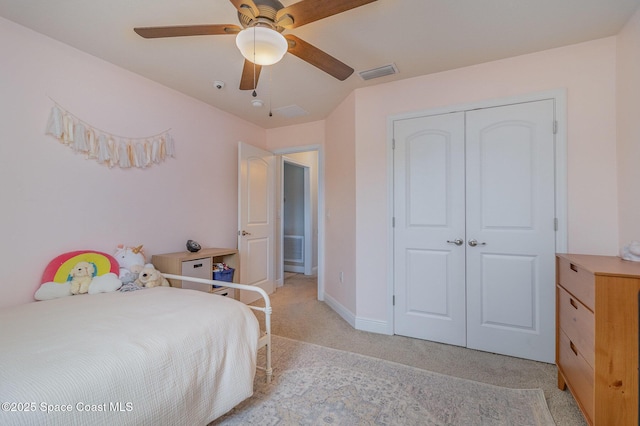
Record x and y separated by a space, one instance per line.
151 357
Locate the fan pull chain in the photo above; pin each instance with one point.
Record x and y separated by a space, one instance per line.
270 90
254 94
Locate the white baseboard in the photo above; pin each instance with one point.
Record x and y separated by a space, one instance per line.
373 326
300 269
340 310
364 324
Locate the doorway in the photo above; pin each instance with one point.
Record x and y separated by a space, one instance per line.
305 162
297 239
475 228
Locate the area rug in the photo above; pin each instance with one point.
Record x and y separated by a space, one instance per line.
315 385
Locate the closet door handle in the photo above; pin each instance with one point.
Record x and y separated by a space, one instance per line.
474 243
457 242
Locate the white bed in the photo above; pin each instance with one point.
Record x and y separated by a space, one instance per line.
156 356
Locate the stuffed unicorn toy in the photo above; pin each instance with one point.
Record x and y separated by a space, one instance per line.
131 260
631 251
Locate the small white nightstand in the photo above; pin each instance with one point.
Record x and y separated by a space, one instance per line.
199 265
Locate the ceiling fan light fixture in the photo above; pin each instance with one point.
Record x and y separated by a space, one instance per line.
261 45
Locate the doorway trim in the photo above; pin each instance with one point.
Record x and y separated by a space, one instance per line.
308 237
320 208
559 96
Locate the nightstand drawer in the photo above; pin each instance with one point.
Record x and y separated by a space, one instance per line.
225 291
578 373
578 323
197 268
577 281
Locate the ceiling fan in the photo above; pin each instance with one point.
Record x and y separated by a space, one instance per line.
269 18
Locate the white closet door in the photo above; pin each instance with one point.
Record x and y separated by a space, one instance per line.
429 212
510 213
485 178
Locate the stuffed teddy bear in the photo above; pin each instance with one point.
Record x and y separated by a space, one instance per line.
81 277
151 277
127 258
90 272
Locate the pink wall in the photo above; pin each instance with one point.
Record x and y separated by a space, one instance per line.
586 70
296 136
55 201
356 136
340 205
628 112
336 134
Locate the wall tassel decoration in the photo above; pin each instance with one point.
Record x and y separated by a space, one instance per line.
106 148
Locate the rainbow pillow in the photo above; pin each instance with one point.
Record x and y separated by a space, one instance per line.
57 274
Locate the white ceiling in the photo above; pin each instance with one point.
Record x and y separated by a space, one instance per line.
418 36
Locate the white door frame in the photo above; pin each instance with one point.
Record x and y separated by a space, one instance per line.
560 98
308 238
320 208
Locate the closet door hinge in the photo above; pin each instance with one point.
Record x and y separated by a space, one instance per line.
555 224
393 300
393 143
393 222
555 127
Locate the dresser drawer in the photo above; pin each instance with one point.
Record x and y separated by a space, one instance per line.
578 374
577 281
578 323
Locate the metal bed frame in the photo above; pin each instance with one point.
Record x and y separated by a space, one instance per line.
265 336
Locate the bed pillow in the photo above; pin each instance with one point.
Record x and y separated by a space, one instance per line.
56 278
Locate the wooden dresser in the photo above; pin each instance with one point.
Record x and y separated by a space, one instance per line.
597 335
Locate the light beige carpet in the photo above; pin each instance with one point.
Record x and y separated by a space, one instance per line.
315 385
300 316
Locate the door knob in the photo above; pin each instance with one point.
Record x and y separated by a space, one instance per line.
457 242
245 233
474 243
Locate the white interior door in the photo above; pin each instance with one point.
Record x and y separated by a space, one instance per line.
430 300
256 186
483 179
510 213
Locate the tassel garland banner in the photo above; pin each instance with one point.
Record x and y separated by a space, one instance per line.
106 148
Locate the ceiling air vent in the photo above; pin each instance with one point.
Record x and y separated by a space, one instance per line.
290 111
378 72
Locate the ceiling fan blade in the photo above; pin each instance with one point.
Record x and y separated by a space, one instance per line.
246 7
307 11
247 80
318 58
187 30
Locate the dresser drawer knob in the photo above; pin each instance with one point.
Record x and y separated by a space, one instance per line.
573 267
